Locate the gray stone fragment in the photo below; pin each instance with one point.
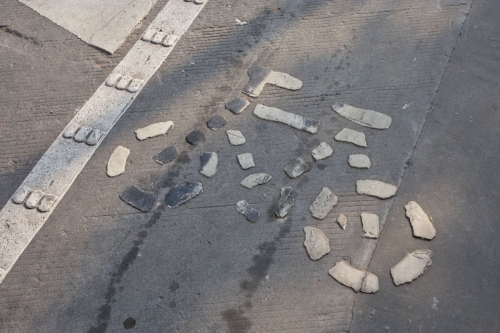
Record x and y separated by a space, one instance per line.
322 151
166 155
255 179
420 222
323 203
117 161
138 198
235 137
376 188
352 136
237 105
285 203
354 278
363 117
287 118
216 122
296 167
411 267
250 213
360 161
196 137
209 162
342 221
246 161
316 243
154 130
260 76
371 225
182 193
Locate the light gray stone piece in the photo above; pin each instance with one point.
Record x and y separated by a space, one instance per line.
371 225
296 167
154 130
287 118
342 221
250 213
285 203
235 137
411 267
246 161
209 162
352 136
255 179
316 243
360 161
376 188
322 151
420 222
260 76
354 278
323 203
117 161
363 117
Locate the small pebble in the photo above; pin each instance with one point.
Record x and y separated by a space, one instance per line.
216 122
196 137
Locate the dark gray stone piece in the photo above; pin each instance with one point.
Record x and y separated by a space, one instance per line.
138 198
250 213
209 162
258 78
237 105
216 122
182 193
296 167
196 137
285 203
166 155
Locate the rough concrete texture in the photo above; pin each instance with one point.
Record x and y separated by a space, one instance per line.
235 137
351 136
246 161
316 243
322 151
117 161
287 118
376 188
371 225
411 267
354 278
296 167
255 179
250 213
363 117
285 202
154 130
420 223
323 204
360 161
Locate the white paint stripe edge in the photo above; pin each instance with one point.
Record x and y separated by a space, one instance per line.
58 168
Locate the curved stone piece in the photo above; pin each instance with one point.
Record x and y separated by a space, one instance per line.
182 193
420 222
352 136
117 161
363 117
21 194
411 267
260 76
322 151
235 137
371 225
34 199
323 203
376 188
354 278
296 167
138 198
209 162
47 202
154 130
316 243
287 118
360 161
256 179
250 213
285 203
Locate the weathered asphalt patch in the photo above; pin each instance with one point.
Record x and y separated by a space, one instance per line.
255 179
260 76
287 118
420 223
322 151
352 136
285 203
250 213
154 130
138 198
216 122
166 155
196 137
371 225
182 193
296 167
363 117
376 188
411 267
117 161
360 161
235 137
354 278
323 203
237 105
209 162
316 243
246 161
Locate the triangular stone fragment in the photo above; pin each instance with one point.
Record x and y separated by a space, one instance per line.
411 267
420 222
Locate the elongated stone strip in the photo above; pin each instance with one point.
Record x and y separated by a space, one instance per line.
376 188
287 118
363 117
354 278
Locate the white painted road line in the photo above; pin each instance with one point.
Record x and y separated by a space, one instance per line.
50 179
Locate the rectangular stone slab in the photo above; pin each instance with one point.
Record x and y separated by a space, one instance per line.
363 117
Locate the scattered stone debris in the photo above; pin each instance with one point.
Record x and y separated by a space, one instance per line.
342 221
296 167
322 151
363 117
255 179
420 222
237 105
196 137
354 278
166 155
323 203
411 267
371 225
117 161
154 130
285 203
316 243
235 137
216 122
287 118
246 161
209 162
239 22
138 198
376 188
352 136
182 193
260 76
360 161
250 213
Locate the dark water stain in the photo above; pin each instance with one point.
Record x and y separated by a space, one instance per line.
236 321
129 323
173 304
321 166
173 286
